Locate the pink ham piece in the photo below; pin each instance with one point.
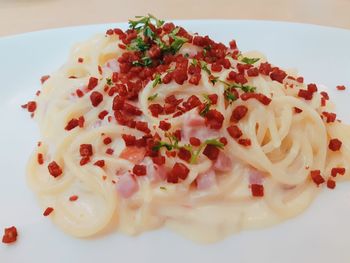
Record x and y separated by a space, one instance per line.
113 65
206 180
127 185
223 163
255 176
194 126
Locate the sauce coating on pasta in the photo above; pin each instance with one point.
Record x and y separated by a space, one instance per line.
158 126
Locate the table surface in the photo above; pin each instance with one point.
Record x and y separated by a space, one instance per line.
19 16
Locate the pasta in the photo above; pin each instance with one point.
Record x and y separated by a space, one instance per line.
156 126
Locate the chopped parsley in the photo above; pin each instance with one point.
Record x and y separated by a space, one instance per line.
157 80
162 188
207 105
144 62
138 44
204 66
247 60
109 81
214 142
150 98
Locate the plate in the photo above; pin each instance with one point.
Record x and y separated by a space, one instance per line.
321 234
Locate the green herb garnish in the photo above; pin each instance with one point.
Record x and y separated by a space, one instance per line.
151 98
207 104
247 60
162 188
138 44
144 62
157 80
109 81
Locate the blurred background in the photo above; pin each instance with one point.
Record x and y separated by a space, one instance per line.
18 16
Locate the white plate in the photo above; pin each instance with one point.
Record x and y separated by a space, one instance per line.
320 235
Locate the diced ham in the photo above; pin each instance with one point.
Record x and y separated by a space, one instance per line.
223 163
194 126
206 180
133 154
255 177
127 185
113 65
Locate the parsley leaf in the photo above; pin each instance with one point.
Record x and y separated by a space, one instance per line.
145 62
109 81
249 61
157 80
204 66
206 108
214 142
138 44
161 144
150 98
230 96
162 188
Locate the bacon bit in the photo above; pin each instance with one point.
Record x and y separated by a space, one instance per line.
324 95
48 211
40 159
24 106
72 124
330 117
341 87
233 44
139 170
316 177
165 126
216 67
305 94
323 102
195 141
118 103
331 184
84 161
278 75
265 68
300 79
177 134
107 140
334 144
184 154
109 151
159 160
213 98
38 93
257 190
212 152
100 163
131 109
258 96
297 110
142 126
10 235
179 171
54 169
170 154
195 78
96 98
192 102
238 113
223 140
129 140
337 170
234 131
86 150
31 106
157 109
39 144
180 76
73 198
81 121
253 72
44 78
312 87
245 142
79 93
92 83
102 114
80 60
214 119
